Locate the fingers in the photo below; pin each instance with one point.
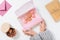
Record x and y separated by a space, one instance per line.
42 29
29 32
26 31
42 26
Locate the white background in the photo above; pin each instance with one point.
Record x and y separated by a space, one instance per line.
11 18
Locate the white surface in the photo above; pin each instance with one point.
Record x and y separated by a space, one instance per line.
11 18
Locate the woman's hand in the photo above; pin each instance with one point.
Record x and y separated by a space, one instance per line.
29 32
42 26
32 33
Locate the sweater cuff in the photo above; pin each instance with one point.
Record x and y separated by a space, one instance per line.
35 37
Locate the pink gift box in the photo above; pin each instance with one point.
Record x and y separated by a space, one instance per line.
28 16
4 7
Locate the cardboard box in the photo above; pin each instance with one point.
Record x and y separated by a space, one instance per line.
54 9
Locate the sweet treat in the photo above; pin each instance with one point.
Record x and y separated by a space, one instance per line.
11 32
8 30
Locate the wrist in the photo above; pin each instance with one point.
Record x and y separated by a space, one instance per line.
42 30
33 34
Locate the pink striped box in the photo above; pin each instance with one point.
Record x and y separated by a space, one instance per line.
28 16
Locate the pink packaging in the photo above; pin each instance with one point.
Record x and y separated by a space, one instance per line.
4 7
28 16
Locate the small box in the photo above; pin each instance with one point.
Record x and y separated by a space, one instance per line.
54 9
28 15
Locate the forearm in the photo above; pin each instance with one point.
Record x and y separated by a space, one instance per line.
46 35
35 37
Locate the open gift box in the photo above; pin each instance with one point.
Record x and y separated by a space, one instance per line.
28 16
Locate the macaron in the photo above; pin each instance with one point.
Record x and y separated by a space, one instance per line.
5 27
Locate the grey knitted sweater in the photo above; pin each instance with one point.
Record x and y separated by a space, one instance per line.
47 35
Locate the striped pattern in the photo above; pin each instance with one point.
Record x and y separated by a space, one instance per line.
47 35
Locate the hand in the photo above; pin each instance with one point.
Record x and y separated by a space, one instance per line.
29 32
42 26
